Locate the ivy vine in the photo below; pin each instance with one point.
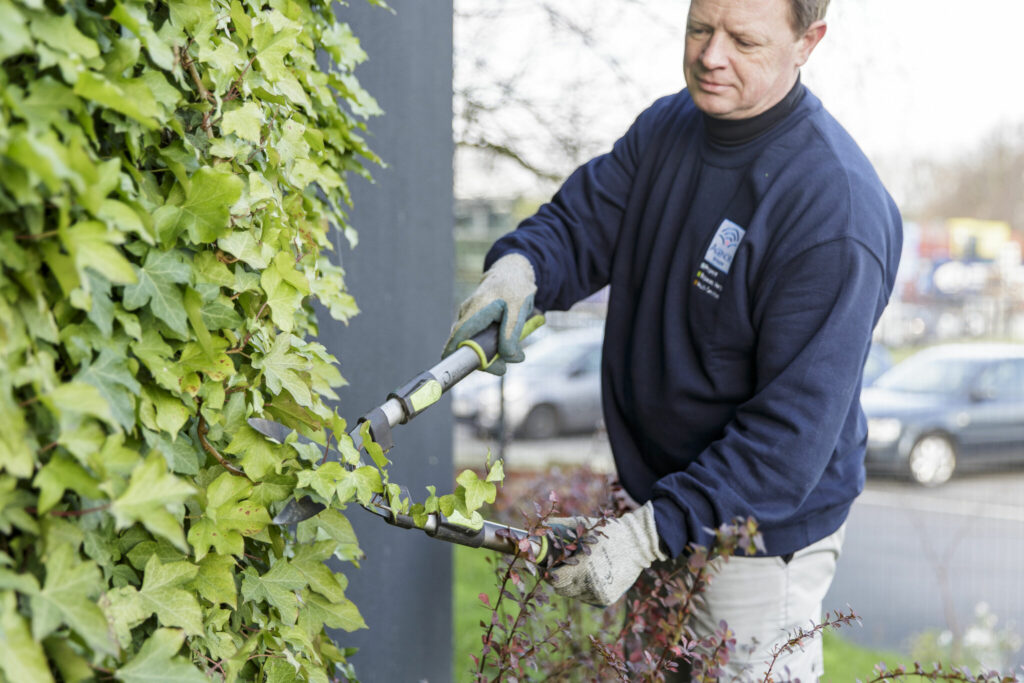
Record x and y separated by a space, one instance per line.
170 173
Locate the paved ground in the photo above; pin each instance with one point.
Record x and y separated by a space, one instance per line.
589 449
915 559
927 559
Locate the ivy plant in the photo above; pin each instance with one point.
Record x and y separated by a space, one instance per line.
170 174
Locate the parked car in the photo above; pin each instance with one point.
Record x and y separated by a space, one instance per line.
948 408
555 391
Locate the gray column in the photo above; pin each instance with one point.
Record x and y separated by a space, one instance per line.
402 274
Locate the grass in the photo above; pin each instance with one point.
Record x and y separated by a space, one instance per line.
846 662
473 575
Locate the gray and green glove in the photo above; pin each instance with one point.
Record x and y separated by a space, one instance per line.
625 547
505 295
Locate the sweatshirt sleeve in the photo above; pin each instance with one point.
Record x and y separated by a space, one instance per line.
570 240
814 320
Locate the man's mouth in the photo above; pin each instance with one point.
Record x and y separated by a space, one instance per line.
711 86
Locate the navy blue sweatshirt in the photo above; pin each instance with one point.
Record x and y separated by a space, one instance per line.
746 278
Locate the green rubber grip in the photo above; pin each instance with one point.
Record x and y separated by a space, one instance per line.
485 344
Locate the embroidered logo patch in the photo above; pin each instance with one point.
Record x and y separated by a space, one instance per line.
724 245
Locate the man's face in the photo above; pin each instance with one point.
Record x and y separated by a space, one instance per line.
742 56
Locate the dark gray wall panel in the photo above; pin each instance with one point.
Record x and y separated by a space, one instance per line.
401 274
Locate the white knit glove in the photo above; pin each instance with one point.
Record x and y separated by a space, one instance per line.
624 548
504 295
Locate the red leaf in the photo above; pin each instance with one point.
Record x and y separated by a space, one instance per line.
484 598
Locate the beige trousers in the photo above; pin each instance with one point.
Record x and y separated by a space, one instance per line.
764 600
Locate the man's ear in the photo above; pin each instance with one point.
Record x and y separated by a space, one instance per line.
809 40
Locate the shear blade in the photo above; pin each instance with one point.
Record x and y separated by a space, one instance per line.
297 510
275 430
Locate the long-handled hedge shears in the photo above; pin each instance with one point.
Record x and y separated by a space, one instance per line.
402 405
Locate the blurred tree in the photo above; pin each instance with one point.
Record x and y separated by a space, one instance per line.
539 85
986 184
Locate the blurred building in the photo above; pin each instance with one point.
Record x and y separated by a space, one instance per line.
960 278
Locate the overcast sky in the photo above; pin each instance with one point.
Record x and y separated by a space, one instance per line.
908 78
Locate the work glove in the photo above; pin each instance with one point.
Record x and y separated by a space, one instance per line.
624 547
505 295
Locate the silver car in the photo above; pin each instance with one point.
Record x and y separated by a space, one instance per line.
555 391
948 408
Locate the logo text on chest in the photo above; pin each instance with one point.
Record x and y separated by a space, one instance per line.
723 245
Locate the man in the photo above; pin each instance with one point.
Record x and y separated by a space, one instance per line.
750 248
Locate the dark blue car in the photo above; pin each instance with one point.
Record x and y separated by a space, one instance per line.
948 408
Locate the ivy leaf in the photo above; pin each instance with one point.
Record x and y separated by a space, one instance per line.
372 447
157 286
230 515
496 472
309 560
14 36
17 453
334 525
124 611
162 593
60 33
341 614
281 368
123 97
206 211
156 354
284 292
277 588
65 598
215 364
273 489
90 244
133 17
245 122
45 156
24 659
123 217
216 580
204 534
157 661
110 375
208 269
220 314
477 492
342 45
273 43
360 484
259 456
243 246
181 454
101 309
150 492
161 411
78 399
60 474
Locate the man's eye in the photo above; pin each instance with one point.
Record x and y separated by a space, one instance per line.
696 31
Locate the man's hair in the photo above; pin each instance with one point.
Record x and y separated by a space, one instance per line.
806 12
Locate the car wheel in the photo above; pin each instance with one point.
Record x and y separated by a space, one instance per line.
541 423
932 460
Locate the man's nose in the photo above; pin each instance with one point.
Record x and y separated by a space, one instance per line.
714 52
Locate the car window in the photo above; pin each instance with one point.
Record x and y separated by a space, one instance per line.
930 374
555 351
1003 380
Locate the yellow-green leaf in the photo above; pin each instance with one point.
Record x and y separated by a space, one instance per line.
23 659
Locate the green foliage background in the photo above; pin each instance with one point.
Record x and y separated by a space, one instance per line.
169 175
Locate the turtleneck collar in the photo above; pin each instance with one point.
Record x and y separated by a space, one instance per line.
735 132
